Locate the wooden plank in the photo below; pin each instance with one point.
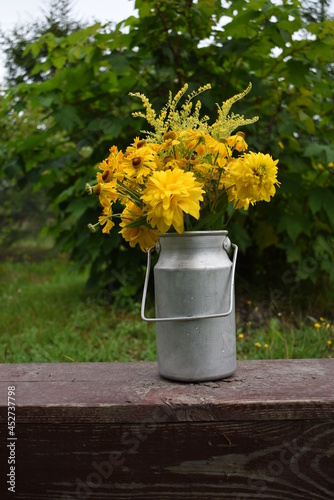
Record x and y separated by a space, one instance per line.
262 459
118 430
126 392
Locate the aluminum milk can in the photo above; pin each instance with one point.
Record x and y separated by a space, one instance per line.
194 303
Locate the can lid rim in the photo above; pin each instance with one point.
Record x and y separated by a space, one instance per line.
194 233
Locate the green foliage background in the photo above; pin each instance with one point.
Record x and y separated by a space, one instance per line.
56 129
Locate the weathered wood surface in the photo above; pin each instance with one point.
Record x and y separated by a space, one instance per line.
117 430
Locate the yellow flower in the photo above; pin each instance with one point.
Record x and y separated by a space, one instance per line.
105 220
167 195
329 343
266 346
206 171
107 193
240 336
139 163
182 167
111 167
317 326
143 235
195 141
169 140
237 141
257 344
137 144
169 162
253 177
219 147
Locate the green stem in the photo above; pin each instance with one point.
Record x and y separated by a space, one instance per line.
232 213
129 193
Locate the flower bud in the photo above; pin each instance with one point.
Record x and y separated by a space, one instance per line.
167 159
107 174
136 161
169 135
141 143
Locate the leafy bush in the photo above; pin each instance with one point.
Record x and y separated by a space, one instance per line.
84 108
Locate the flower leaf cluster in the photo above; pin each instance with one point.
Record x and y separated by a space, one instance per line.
183 174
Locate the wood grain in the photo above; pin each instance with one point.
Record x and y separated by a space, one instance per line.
118 430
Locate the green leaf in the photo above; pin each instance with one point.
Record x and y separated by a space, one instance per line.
239 236
118 62
294 225
36 69
140 221
265 235
328 266
35 49
297 72
320 151
67 117
47 99
285 34
316 199
59 62
328 205
77 207
210 222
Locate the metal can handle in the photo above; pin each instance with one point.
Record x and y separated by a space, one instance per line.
188 318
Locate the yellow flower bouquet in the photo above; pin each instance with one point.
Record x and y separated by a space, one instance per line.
183 174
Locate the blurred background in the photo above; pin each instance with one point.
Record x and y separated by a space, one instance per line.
66 72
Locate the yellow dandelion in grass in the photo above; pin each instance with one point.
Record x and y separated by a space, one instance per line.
317 326
240 336
329 343
143 235
167 195
257 344
266 346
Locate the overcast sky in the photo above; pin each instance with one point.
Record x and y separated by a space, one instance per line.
19 11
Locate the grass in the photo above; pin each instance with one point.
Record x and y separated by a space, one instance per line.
280 338
44 318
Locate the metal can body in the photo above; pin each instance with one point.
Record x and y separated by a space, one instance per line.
193 278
